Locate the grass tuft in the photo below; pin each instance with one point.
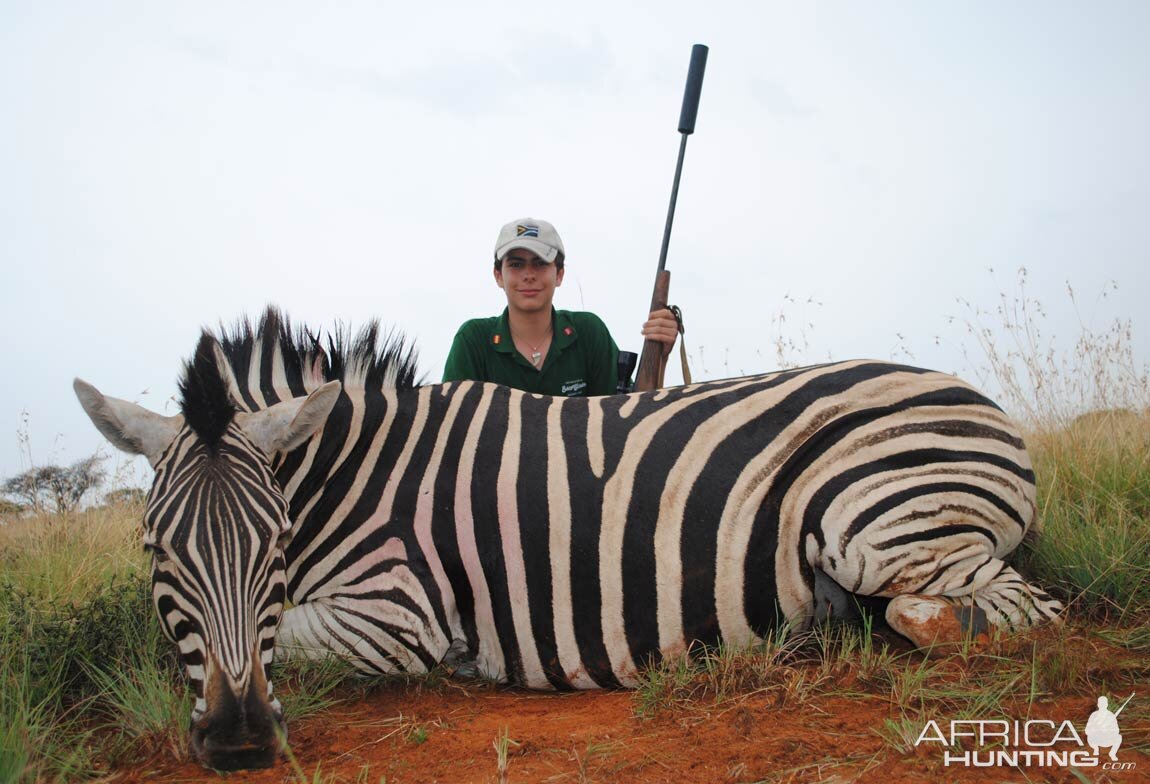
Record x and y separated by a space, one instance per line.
724 672
503 745
314 685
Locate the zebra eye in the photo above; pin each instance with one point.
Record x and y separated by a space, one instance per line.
156 551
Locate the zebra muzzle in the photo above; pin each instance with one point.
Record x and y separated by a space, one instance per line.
238 731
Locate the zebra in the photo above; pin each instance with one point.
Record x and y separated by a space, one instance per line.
551 543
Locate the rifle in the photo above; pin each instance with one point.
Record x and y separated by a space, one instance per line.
652 364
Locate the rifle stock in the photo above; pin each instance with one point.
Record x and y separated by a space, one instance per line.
652 363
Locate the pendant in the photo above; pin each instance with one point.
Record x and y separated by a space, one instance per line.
535 358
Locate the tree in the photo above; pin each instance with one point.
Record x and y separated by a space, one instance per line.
11 508
56 489
126 496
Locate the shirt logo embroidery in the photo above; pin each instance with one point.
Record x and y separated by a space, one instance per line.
568 331
495 339
573 388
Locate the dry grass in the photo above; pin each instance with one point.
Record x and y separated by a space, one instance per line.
1047 384
60 558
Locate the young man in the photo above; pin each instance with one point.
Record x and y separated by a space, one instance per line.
532 346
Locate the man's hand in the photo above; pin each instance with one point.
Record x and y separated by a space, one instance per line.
661 327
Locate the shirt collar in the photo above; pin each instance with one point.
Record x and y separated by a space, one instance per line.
561 324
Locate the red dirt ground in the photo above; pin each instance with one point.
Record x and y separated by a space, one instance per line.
445 733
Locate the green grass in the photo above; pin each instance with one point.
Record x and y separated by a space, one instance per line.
313 684
29 715
721 673
142 698
1094 505
80 648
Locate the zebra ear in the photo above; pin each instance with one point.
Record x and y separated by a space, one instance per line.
128 426
286 425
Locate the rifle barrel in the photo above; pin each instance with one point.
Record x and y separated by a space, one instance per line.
671 207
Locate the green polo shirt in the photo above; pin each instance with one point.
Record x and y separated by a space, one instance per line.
581 362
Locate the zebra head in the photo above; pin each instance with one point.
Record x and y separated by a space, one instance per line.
216 524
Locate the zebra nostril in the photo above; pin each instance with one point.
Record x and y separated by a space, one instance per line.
228 747
247 756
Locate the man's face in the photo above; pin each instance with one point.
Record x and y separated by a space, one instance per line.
528 281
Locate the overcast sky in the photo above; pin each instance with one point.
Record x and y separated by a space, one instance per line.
857 167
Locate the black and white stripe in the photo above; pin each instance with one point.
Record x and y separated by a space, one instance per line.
563 543
213 523
218 576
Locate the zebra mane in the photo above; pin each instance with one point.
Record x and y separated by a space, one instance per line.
204 400
275 360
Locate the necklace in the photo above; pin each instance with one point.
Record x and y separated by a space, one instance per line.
536 354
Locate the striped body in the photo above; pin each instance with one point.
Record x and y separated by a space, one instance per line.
556 543
566 542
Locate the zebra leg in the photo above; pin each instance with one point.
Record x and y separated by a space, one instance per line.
832 601
934 620
299 635
353 631
993 595
461 661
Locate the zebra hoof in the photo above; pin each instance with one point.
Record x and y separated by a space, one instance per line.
460 661
467 671
930 621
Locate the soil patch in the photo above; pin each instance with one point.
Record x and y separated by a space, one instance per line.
447 733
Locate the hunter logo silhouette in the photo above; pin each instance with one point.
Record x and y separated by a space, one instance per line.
1102 728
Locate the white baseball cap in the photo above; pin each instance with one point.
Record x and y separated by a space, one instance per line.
537 236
